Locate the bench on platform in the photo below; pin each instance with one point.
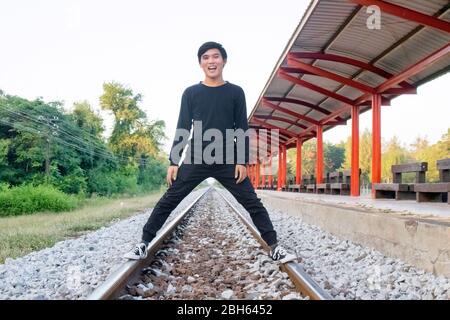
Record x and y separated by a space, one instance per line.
399 190
342 188
438 191
274 183
336 178
286 186
325 186
305 182
311 184
300 187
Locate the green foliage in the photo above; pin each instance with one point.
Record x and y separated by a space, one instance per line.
423 151
365 156
394 153
133 137
152 175
42 144
28 199
74 183
333 158
338 157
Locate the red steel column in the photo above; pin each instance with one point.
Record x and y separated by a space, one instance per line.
284 165
298 168
257 173
270 171
319 155
280 168
263 176
376 140
354 183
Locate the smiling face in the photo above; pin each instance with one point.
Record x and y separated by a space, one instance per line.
212 64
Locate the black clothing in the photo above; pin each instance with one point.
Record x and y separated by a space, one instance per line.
222 107
189 176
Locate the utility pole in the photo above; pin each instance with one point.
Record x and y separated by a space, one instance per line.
51 129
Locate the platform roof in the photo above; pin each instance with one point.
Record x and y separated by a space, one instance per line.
333 60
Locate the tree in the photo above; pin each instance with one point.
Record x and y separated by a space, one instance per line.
394 153
40 143
333 158
423 151
132 137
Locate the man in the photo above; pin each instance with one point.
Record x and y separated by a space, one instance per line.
213 104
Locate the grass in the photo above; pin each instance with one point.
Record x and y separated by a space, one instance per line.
20 235
29 199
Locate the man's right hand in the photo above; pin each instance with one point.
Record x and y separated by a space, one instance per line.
172 172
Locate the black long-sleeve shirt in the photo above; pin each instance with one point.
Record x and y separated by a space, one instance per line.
222 107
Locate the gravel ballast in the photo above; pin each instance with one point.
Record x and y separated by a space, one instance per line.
350 271
72 269
212 256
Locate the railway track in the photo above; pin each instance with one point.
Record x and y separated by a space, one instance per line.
117 285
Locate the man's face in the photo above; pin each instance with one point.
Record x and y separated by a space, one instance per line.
212 63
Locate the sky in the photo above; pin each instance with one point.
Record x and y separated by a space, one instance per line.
66 50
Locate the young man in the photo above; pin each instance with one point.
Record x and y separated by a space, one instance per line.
218 105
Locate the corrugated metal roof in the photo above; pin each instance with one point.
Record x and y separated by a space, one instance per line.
339 27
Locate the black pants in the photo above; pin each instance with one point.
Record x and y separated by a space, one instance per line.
189 176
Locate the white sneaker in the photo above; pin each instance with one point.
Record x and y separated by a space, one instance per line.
137 253
280 254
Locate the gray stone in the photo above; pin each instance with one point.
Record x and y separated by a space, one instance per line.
227 294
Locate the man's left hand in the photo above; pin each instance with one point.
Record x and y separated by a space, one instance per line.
240 173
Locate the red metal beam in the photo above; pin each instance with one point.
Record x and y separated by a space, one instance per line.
346 60
281 139
290 112
400 91
301 66
336 123
414 69
313 87
368 101
407 14
294 70
395 80
281 136
299 102
258 127
269 117
271 126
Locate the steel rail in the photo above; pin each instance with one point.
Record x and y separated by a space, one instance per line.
302 281
118 279
115 282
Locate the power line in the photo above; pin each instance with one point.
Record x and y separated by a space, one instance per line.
82 148
96 145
